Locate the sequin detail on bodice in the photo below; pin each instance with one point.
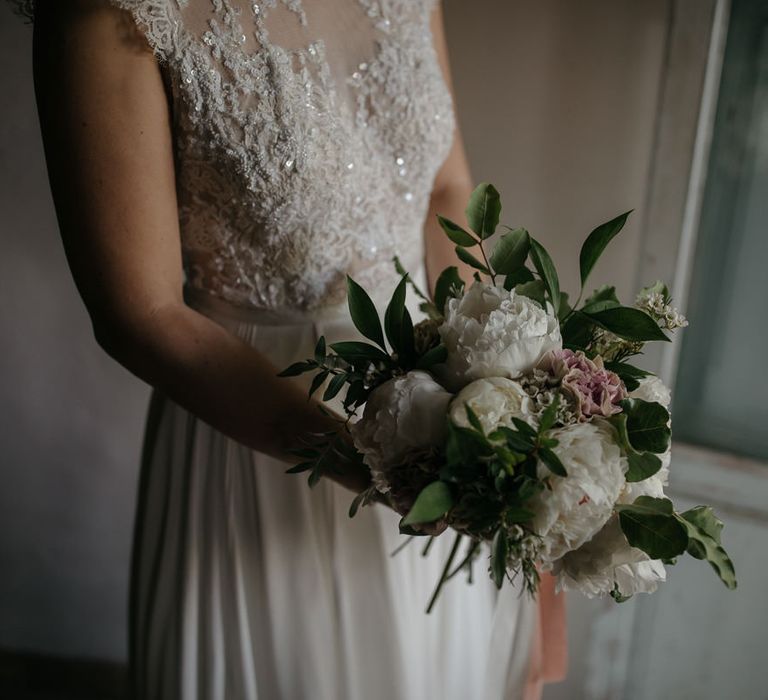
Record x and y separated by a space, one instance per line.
308 134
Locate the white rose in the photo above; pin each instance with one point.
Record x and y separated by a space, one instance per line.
652 389
495 400
608 562
577 506
402 415
492 332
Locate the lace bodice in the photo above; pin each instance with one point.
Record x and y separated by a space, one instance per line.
307 133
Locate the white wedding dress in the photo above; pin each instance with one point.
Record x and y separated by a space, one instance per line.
307 134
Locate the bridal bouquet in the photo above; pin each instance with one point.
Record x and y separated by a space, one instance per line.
515 418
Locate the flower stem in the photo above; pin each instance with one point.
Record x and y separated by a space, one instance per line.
487 264
446 570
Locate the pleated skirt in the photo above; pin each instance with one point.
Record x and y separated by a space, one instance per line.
247 584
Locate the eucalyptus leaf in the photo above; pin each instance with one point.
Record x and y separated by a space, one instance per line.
651 525
703 529
510 252
483 210
546 269
363 313
432 503
628 323
641 465
596 242
466 257
457 234
647 425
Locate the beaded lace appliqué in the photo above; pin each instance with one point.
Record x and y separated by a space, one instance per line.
292 172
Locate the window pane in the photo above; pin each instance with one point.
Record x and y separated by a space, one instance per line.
722 385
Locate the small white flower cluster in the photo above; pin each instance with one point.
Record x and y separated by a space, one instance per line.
656 305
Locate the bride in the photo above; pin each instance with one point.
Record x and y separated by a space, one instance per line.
218 168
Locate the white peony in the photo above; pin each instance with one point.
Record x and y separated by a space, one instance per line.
496 401
608 562
577 506
492 332
652 389
403 415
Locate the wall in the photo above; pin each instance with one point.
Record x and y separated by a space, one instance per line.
557 102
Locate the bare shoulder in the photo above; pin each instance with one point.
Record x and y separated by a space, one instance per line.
88 29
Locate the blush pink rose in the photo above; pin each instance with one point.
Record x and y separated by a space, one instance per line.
595 390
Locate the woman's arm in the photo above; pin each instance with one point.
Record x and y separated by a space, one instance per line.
105 122
453 183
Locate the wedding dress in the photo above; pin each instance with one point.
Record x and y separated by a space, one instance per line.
307 136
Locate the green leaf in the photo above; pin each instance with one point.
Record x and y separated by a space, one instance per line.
596 242
320 349
651 525
565 307
549 415
354 351
510 252
363 313
318 381
641 464
393 316
432 503
606 292
514 515
546 269
577 331
552 461
703 528
514 439
705 519
629 374
465 256
499 551
474 421
647 425
357 502
447 283
483 210
457 234
334 386
519 276
624 369
298 368
533 290
628 323
433 356
299 468
524 428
